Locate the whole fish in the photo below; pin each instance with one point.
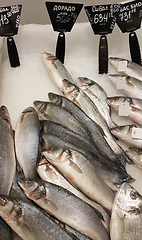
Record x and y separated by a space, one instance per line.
27 141
81 174
136 155
59 115
96 133
116 100
126 67
126 217
132 87
55 69
98 95
66 207
126 134
7 154
49 173
134 107
29 222
108 171
67 135
76 95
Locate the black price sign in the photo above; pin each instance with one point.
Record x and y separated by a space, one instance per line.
10 20
102 17
63 15
129 17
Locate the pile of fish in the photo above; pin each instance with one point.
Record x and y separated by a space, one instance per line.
63 173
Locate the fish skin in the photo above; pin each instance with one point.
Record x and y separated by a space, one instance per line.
49 173
76 95
126 218
7 154
66 207
98 95
125 133
132 87
55 69
132 69
27 141
68 135
81 174
136 155
59 115
29 222
5 230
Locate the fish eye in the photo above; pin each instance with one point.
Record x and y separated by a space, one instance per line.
133 194
29 182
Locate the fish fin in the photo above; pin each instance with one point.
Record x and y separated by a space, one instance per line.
74 166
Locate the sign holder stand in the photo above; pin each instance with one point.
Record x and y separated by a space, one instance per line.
63 16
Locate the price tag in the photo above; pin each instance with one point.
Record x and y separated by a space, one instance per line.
136 133
123 109
63 15
129 17
120 84
102 17
10 20
122 66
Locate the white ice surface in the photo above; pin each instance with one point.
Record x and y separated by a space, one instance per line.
20 86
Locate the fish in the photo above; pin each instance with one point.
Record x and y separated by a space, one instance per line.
133 107
55 69
29 222
7 153
116 100
76 95
94 130
98 95
126 67
67 135
131 87
27 141
112 174
125 133
136 155
49 173
65 206
126 217
59 115
81 174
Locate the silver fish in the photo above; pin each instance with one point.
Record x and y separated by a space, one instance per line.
59 115
132 87
136 155
7 153
126 134
111 173
76 95
126 67
98 95
29 222
81 174
66 207
67 135
55 69
27 141
49 173
126 217
116 100
134 107
5 230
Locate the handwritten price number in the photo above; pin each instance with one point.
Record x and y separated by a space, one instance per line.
4 19
66 17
